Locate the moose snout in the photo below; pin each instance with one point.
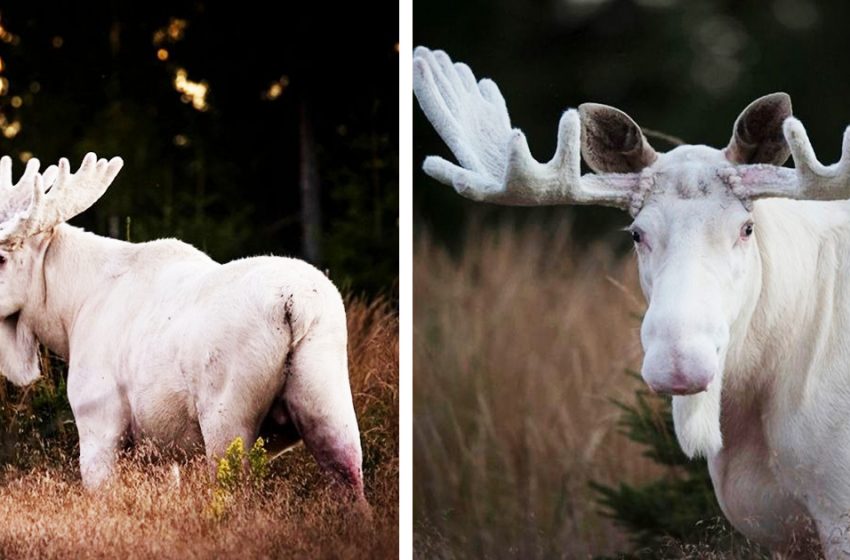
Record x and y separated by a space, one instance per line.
681 369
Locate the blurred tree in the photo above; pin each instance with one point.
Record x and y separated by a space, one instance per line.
361 231
311 214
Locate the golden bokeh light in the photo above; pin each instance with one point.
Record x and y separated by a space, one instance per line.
57 42
162 54
193 92
17 101
171 33
8 37
276 88
25 156
176 28
274 91
12 129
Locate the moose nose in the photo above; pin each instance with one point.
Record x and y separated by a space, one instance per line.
682 369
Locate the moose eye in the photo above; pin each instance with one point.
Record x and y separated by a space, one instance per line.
2 260
637 236
746 230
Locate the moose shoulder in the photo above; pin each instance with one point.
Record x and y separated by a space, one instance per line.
744 265
164 343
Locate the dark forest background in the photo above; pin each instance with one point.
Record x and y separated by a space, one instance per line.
686 68
246 128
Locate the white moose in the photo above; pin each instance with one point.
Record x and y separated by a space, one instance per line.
162 342
748 323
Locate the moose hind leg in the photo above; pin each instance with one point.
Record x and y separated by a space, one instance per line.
318 398
222 422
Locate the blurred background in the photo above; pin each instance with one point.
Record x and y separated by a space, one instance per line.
244 129
533 437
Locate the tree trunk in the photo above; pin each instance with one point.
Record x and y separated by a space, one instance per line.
311 208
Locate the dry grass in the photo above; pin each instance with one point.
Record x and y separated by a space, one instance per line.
150 513
519 345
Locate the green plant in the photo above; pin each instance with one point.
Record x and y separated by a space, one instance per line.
36 422
678 509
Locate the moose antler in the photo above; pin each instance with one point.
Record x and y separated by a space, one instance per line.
38 202
495 162
72 193
809 180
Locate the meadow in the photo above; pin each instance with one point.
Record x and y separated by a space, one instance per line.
161 510
520 343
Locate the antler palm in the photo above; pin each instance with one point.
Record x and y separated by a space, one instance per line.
495 162
470 117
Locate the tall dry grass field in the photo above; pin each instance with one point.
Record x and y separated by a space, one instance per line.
155 512
520 342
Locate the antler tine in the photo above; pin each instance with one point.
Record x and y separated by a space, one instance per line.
496 164
5 172
30 172
818 181
810 180
63 172
49 175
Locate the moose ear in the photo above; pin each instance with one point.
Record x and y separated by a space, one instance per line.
757 136
611 142
19 359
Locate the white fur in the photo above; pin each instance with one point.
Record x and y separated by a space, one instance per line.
167 345
696 419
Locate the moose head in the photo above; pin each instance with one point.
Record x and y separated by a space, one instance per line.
29 211
695 229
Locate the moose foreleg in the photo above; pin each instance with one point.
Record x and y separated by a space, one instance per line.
102 421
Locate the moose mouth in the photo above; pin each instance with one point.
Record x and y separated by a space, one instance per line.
681 384
680 391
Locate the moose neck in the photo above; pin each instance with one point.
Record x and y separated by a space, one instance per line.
75 264
802 249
